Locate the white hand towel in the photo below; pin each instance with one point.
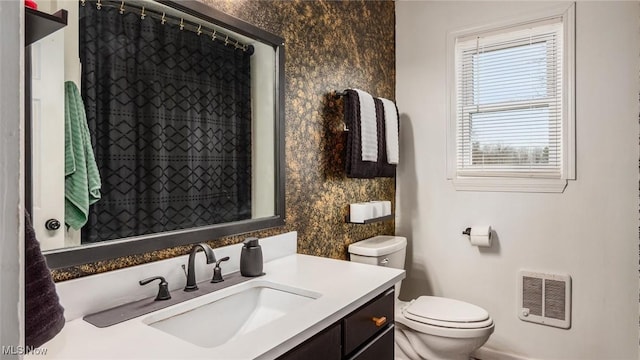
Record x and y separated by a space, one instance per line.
391 130
368 126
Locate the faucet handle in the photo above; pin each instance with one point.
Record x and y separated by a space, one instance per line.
217 271
163 287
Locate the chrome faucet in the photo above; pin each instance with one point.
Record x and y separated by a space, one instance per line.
191 271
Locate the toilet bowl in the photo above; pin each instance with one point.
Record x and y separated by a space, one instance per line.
427 327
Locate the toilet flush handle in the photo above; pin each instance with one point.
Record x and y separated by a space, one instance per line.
384 261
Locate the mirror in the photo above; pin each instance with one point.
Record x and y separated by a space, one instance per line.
185 129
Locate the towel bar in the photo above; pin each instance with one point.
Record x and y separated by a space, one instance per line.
338 95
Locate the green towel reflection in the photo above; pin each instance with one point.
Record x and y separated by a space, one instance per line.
82 179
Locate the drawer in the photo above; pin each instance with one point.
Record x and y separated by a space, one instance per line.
361 325
380 348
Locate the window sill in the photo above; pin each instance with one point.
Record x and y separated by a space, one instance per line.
532 185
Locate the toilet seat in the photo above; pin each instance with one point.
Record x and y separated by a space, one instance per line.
447 332
447 313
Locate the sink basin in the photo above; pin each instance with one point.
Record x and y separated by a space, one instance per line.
217 318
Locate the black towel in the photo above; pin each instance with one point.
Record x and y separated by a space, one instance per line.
43 313
355 167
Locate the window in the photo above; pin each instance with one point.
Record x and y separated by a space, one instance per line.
511 101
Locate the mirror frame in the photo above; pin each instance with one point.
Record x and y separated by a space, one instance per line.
66 257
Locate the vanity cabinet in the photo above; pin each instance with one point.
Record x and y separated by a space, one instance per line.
365 334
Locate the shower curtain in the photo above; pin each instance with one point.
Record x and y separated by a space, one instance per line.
169 112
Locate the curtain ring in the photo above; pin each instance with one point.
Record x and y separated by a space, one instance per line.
122 8
181 24
236 45
98 5
82 2
142 14
226 40
213 35
199 29
163 20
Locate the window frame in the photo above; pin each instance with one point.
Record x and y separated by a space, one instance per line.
516 181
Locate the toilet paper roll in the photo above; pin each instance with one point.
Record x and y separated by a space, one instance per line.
386 207
359 212
378 208
480 236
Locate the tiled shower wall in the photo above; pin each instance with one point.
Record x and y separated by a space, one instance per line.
329 45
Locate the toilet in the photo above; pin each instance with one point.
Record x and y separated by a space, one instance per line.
428 327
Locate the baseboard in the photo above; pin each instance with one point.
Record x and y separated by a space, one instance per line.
486 353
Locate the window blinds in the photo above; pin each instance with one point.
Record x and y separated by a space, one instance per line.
509 102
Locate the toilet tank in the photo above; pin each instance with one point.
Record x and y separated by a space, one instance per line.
382 250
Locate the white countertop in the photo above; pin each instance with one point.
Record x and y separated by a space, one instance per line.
344 286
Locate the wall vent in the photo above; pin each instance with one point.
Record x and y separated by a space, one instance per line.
544 298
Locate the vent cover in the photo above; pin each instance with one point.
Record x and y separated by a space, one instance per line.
545 298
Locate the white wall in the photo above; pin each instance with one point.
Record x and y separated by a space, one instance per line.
11 188
590 231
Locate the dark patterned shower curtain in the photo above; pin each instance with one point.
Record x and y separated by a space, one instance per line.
169 113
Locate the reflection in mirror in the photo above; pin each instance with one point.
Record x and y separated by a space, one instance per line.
172 121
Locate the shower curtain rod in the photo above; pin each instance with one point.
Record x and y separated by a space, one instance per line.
164 18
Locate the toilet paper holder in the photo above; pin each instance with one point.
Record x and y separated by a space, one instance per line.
467 232
479 235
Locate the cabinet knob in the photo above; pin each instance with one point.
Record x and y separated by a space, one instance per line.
52 224
379 320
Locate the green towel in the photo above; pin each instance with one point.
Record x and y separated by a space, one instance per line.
82 179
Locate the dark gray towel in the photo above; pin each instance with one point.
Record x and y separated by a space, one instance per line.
355 167
44 316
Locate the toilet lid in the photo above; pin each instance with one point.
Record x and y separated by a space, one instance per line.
445 312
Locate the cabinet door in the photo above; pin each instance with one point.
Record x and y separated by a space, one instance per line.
47 139
380 348
324 346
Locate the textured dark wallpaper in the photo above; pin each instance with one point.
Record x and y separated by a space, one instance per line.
329 45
